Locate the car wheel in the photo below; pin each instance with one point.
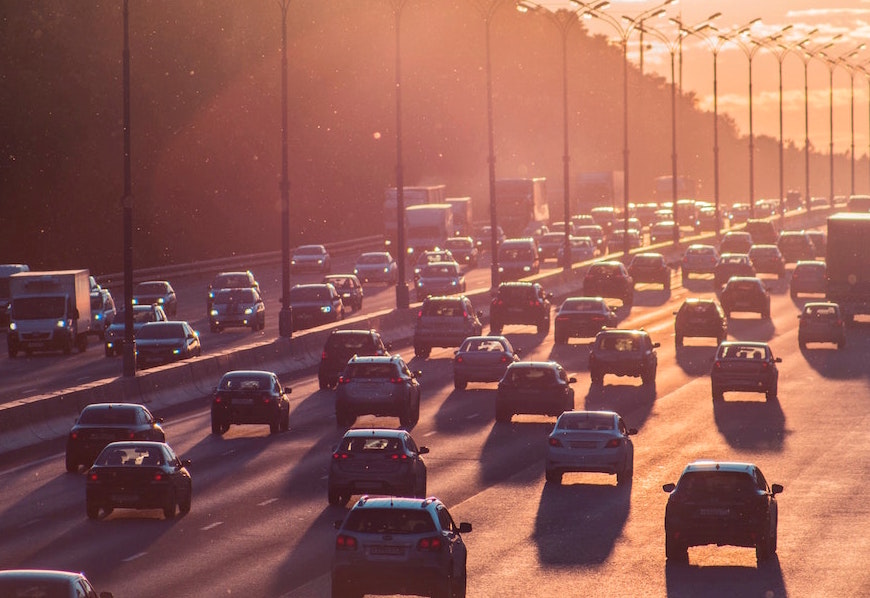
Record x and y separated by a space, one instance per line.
771 392
340 590
255 326
275 426
765 315
184 505
92 509
337 497
502 415
763 548
214 329
108 351
420 486
718 395
597 376
443 588
553 476
171 504
648 377
544 327
459 384
285 420
323 382
460 585
624 476
676 551
217 426
678 340
72 466
495 328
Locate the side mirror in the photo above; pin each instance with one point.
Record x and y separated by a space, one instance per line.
572 380
479 313
632 431
776 489
422 450
669 487
464 527
777 359
656 345
288 390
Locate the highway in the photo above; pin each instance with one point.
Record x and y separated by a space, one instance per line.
261 526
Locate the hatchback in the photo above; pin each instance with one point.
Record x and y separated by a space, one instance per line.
350 289
340 346
732 264
735 241
537 387
821 322
237 307
808 276
231 280
464 251
310 258
520 303
518 258
700 317
315 304
699 259
159 292
380 385
767 259
583 317
250 397
445 322
482 359
590 441
795 246
744 366
376 266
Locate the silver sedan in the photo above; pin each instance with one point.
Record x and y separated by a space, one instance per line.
482 359
590 441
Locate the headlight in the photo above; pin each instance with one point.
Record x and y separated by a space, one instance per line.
13 326
527 268
176 351
98 316
453 283
214 312
326 309
60 324
135 301
161 301
249 311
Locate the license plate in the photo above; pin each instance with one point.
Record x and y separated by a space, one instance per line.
387 550
583 444
126 498
714 512
243 401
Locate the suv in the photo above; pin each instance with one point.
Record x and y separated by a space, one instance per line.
744 366
650 267
228 280
518 258
520 303
746 293
376 460
340 346
700 317
250 397
796 245
699 259
821 322
722 503
624 353
379 385
389 545
445 322
609 278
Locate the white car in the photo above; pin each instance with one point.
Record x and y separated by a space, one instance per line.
590 441
43 582
376 266
310 258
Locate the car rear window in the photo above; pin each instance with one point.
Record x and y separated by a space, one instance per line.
619 342
743 352
708 484
130 456
482 345
109 416
389 521
371 370
586 421
245 383
515 292
531 376
370 445
354 342
821 311
443 309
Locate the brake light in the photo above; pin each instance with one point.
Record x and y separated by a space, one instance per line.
717 365
341 456
158 476
765 365
131 435
345 542
459 359
613 443
267 399
343 380
396 380
555 442
397 457
465 314
73 435
94 477
420 314
323 355
433 544
504 359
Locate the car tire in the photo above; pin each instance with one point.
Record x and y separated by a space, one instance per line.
648 378
217 427
771 393
285 420
214 329
597 377
92 509
553 476
624 476
337 497
502 415
444 589
544 327
459 384
495 328
420 486
171 505
184 505
765 315
676 552
275 426
763 547
678 340
108 352
460 585
718 394
255 326
72 465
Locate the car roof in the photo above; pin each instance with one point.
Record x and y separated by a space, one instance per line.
534 364
39 574
313 285
241 373
352 332
590 412
124 406
811 264
394 502
622 332
732 466
517 283
486 337
374 358
758 344
137 443
382 432
744 279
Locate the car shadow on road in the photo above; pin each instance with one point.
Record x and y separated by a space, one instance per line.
651 297
689 581
579 523
573 355
749 422
696 360
513 447
633 401
846 364
468 410
747 327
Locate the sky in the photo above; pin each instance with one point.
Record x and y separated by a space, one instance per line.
848 18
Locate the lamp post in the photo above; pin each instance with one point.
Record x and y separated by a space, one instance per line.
805 57
402 294
129 366
487 9
285 317
564 19
624 29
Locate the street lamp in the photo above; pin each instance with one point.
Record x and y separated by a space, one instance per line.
129 366
805 57
564 19
831 62
285 317
487 9
750 48
715 42
780 51
624 29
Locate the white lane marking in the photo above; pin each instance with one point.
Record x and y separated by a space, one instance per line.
134 557
432 433
472 416
211 526
266 502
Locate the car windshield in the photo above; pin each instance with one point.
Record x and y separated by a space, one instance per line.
515 253
715 484
130 456
585 421
38 308
150 288
647 260
340 281
235 296
309 250
373 258
111 416
315 293
38 588
161 331
582 305
743 352
389 521
351 342
245 382
820 311
515 293
459 243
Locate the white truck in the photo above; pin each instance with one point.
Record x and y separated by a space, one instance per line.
463 220
49 311
428 226
412 196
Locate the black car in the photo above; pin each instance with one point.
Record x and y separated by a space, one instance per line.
796 245
482 359
623 353
445 322
380 385
315 304
762 231
349 287
700 317
538 387
699 259
745 293
736 241
650 267
237 307
520 303
732 264
583 317
609 279
340 346
375 460
159 292
250 397
808 276
518 258
164 342
722 503
464 251
744 366
101 423
142 314
230 280
138 475
392 545
767 259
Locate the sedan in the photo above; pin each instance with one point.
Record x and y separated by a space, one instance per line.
310 258
744 366
439 279
583 317
101 423
164 342
116 333
138 475
538 387
250 397
315 304
376 266
482 359
159 292
45 582
237 307
651 268
590 441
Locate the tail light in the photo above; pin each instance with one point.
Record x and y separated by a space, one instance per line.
717 365
93 477
267 399
341 456
158 477
397 380
555 442
419 314
465 314
345 542
131 435
218 399
323 355
765 365
504 359
613 443
433 544
73 435
398 457
459 359
343 379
